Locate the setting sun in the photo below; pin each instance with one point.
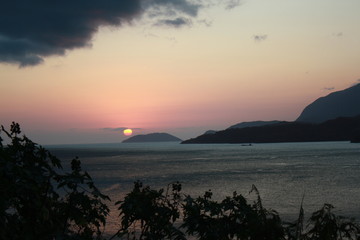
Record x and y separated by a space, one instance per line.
127 132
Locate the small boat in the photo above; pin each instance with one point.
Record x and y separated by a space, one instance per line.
246 145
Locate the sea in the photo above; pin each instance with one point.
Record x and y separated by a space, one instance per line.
284 173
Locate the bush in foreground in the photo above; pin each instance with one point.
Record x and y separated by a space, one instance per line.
38 200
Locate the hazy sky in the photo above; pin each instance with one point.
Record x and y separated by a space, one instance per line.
81 73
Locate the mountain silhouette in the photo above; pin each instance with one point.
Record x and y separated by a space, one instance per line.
335 117
254 124
345 103
152 137
340 129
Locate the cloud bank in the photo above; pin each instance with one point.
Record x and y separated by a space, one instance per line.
118 129
33 30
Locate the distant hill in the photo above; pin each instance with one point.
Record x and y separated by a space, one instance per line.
340 129
152 137
345 103
210 132
254 124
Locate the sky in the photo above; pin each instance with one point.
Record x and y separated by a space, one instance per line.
82 71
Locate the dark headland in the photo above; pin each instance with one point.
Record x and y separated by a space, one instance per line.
345 103
340 129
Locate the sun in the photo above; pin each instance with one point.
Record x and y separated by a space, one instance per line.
127 132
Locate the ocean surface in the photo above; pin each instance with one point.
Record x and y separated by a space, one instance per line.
324 172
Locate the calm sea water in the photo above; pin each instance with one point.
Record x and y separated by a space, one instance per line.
324 172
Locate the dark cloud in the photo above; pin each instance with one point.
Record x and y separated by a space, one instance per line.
178 22
33 30
260 38
172 7
329 88
14 51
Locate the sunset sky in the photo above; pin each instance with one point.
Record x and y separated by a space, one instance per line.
82 74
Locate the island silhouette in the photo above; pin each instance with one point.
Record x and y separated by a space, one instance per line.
152 137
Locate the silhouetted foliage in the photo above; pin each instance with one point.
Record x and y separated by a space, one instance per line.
324 224
39 201
31 206
150 214
294 230
232 218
